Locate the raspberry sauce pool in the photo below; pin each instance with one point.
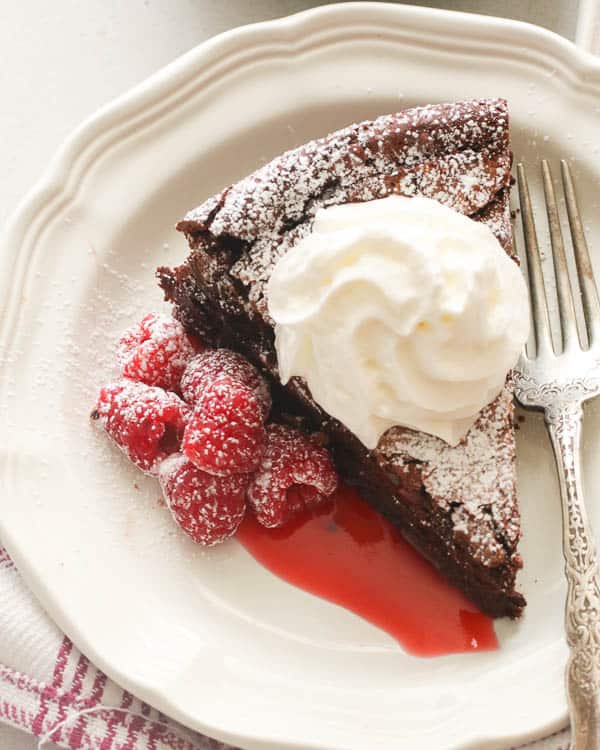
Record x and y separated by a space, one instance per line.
347 553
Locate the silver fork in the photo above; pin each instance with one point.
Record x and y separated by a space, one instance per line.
558 378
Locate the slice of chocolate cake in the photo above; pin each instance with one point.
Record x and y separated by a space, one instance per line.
457 505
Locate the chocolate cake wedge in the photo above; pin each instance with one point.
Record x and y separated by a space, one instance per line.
456 505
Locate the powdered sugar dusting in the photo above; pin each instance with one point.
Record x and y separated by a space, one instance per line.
475 479
454 153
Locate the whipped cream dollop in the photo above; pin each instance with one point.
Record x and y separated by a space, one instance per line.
399 311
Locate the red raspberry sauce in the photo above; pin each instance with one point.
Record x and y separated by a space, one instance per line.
348 554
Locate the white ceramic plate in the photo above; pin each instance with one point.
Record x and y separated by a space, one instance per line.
212 638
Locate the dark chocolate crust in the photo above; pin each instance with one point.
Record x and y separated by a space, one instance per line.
456 505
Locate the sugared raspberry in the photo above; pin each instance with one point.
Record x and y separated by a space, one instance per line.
155 351
295 473
212 364
147 423
226 434
206 507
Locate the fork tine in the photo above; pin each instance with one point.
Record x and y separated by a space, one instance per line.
585 272
529 348
537 289
566 308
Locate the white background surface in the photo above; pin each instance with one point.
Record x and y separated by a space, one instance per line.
62 60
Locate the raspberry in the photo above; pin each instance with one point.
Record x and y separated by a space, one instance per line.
226 434
207 508
212 364
295 473
147 423
155 351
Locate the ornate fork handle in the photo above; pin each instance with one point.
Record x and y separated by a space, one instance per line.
564 420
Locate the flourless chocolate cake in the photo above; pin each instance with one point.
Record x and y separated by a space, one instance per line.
457 505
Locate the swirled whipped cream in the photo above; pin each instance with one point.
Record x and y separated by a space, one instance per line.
399 311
